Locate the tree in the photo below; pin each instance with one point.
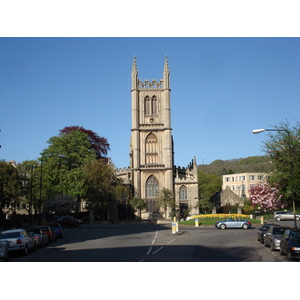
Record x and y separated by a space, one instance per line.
62 164
138 204
283 149
266 197
166 199
99 144
209 184
10 186
103 188
60 204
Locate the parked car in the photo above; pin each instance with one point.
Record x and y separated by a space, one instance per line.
261 232
233 223
58 229
19 240
50 233
273 237
38 236
290 244
68 221
285 215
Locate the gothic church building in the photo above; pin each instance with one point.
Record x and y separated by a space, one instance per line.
152 150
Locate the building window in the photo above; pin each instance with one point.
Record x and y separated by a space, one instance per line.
151 149
252 177
183 193
154 105
151 193
260 177
147 105
151 107
227 179
242 177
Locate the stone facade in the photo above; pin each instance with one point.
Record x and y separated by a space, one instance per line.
241 183
152 150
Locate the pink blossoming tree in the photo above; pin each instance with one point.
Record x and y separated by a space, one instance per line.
266 197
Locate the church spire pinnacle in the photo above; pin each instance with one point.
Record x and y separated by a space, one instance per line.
166 73
134 74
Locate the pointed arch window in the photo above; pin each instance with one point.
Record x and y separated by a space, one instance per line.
151 193
151 149
183 193
154 105
151 106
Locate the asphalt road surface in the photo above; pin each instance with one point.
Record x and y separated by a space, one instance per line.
143 242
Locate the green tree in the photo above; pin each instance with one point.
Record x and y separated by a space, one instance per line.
10 186
209 184
62 164
30 176
283 149
166 199
103 188
138 204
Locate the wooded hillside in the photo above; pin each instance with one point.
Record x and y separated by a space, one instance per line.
240 165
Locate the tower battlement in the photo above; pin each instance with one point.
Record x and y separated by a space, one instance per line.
151 85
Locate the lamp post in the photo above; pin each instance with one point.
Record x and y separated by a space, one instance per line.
256 131
41 180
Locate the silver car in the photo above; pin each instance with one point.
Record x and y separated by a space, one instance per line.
19 240
273 237
285 215
233 223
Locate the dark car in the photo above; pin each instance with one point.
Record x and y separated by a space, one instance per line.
58 229
261 232
273 237
50 233
68 221
290 244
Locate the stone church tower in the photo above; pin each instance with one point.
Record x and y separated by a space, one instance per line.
151 148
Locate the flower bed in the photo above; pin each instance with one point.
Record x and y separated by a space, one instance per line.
218 217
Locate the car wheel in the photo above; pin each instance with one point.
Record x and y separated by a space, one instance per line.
25 251
289 256
245 226
265 243
272 246
278 219
280 251
223 226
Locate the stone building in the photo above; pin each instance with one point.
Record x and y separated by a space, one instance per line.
235 189
152 149
241 183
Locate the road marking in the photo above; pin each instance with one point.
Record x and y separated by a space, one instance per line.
171 241
157 250
149 251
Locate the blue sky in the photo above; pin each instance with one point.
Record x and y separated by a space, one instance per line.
221 89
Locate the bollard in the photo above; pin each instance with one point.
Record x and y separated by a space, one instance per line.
173 227
196 223
262 220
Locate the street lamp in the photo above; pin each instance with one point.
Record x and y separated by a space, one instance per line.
41 180
255 131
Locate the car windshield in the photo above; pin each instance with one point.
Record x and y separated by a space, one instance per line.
8 235
278 231
295 236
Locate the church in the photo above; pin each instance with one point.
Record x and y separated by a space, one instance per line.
152 149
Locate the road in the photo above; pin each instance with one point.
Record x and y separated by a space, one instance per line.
143 242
